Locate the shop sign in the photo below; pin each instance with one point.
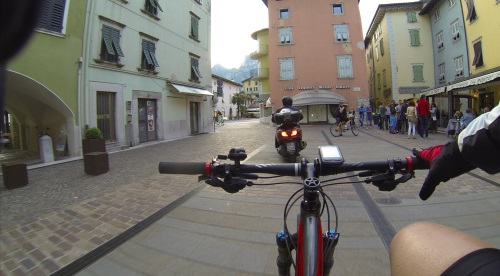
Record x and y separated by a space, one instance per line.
342 87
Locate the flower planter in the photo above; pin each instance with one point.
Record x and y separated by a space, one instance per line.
93 145
15 175
96 163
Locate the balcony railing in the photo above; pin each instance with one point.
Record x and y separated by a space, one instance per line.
259 73
263 50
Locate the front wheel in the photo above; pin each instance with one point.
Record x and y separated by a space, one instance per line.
354 129
333 130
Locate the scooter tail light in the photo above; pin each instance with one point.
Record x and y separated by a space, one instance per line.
295 132
284 134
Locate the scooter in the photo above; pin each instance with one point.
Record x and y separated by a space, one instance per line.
288 141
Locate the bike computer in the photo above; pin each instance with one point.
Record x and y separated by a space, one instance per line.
330 155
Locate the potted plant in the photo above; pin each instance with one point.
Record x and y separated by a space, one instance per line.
95 157
94 141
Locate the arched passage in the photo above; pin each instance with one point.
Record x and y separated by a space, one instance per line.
34 110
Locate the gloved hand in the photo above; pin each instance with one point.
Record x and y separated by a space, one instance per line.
446 162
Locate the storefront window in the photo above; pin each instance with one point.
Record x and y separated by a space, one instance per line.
317 113
441 101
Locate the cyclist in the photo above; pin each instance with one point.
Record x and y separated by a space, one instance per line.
341 116
219 116
427 248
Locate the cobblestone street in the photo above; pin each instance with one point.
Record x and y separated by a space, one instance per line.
63 214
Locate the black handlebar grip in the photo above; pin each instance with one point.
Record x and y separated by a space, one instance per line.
418 164
184 167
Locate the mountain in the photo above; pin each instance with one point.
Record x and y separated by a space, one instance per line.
236 74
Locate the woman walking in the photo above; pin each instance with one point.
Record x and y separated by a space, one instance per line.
411 115
434 117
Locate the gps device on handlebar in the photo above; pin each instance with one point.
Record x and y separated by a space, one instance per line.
330 156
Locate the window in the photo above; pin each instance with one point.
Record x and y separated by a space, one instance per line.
411 17
437 15
152 6
52 15
195 20
414 37
110 44
148 60
471 11
451 3
284 13
378 80
441 71
377 52
459 67
199 1
195 69
382 46
439 40
478 54
220 85
418 72
341 32
455 34
287 71
344 66
337 8
285 35
384 77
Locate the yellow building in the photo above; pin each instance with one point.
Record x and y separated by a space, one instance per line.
261 73
398 44
482 26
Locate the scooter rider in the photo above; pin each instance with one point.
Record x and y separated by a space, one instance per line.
287 104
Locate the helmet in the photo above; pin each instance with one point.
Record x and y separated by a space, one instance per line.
287 101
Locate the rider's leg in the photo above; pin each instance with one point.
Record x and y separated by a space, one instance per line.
425 248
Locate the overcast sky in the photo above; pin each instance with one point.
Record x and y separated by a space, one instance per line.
233 21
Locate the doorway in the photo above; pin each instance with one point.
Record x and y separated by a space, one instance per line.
147 120
194 111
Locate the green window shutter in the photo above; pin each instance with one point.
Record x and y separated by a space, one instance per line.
418 73
158 5
145 50
194 26
115 38
106 36
382 46
408 17
152 50
52 15
414 37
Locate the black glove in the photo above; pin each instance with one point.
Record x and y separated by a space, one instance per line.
449 163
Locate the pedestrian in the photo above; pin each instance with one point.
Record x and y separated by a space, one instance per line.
434 117
411 115
381 111
398 116
387 115
423 111
404 107
369 116
361 111
393 122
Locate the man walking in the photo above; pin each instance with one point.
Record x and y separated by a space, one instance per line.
423 111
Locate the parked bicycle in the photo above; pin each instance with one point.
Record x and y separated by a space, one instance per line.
313 247
339 127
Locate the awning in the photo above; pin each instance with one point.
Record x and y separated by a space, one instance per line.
434 91
192 90
313 97
474 81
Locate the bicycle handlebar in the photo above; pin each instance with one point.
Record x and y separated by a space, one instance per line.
296 169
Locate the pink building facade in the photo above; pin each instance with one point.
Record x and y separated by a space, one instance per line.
317 56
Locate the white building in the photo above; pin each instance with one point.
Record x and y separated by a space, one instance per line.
146 70
224 90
